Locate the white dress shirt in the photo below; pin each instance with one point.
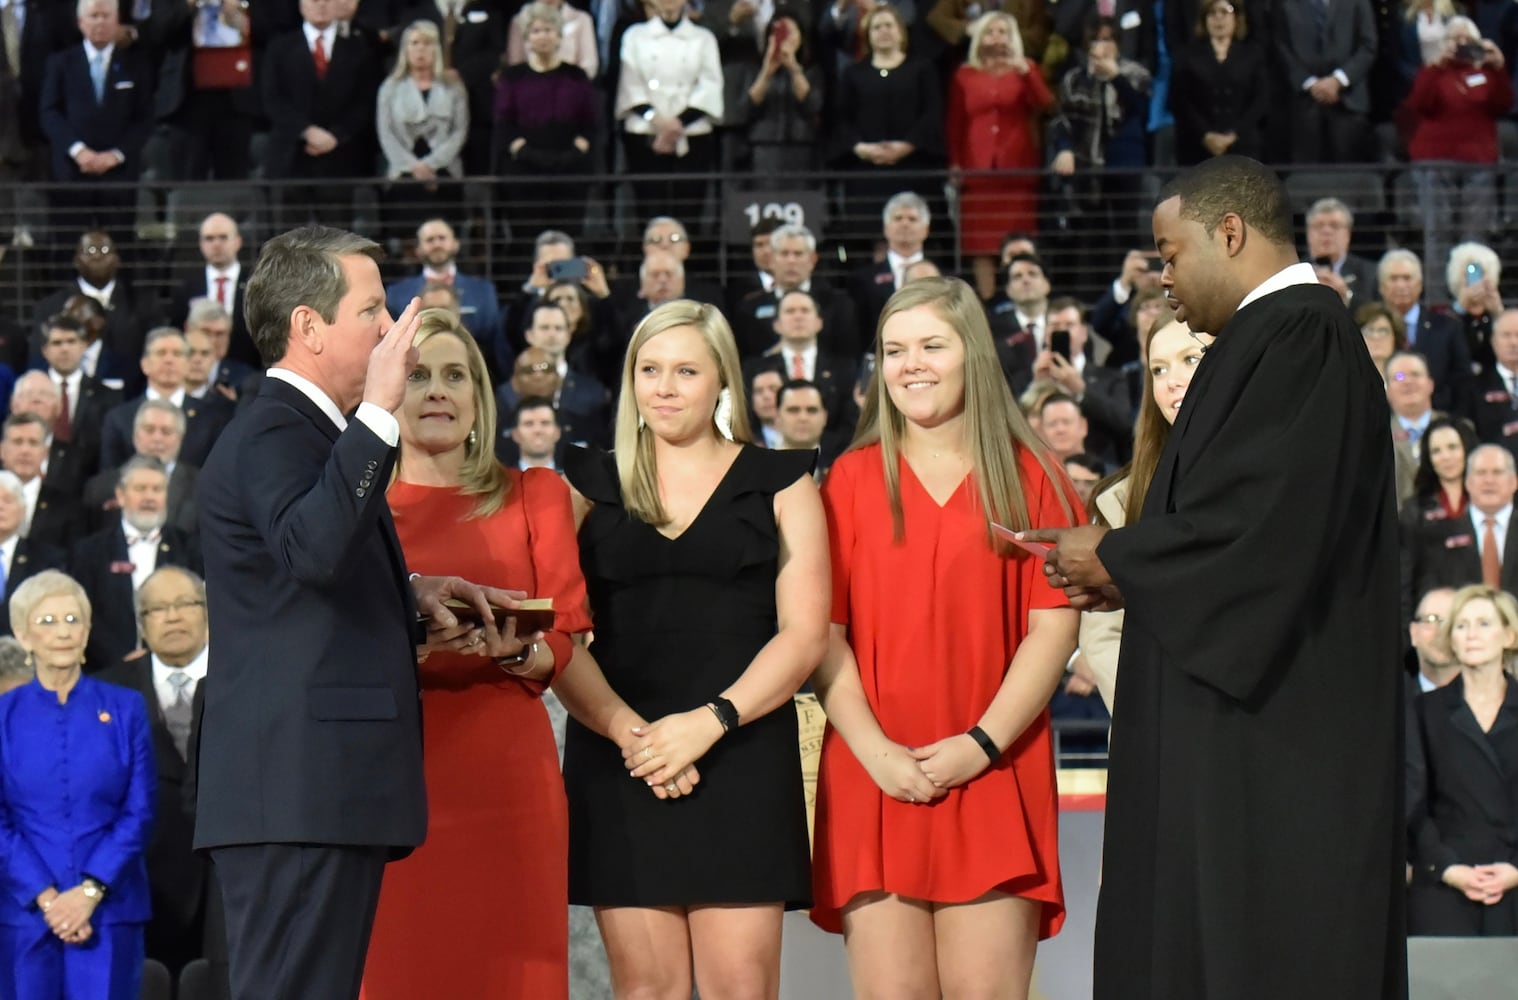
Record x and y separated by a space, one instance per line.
328 35
176 397
101 295
142 552
195 669
90 363
808 363
1295 274
72 380
381 422
8 558
1479 519
31 490
899 264
230 273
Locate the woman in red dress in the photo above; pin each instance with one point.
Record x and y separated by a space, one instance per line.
995 99
937 823
481 909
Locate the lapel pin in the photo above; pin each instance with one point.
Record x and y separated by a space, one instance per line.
105 716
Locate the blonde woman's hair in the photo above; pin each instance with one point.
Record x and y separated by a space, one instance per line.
995 427
1507 610
429 31
481 475
978 28
1442 8
547 13
36 589
637 469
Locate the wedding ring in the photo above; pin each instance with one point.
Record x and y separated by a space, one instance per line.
648 753
671 787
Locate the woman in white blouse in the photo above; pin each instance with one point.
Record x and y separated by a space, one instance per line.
422 116
577 47
669 101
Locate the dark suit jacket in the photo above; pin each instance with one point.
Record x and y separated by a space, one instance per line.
122 120
101 508
1467 812
176 874
583 418
342 103
1494 411
478 306
192 285
1360 275
1448 555
1108 407
127 322
312 729
204 421
31 557
754 322
1440 338
871 286
1347 42
71 463
99 563
58 519
21 86
834 378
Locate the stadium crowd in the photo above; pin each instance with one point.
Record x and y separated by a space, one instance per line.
1039 112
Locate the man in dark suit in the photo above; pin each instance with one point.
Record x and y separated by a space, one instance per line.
223 280
97 111
309 762
479 309
114 316
171 611
1495 400
663 235
1481 546
802 421
1327 49
23 146
20 557
799 356
1435 334
579 400
114 561
1101 393
165 357
83 403
205 87
318 88
157 430
52 516
793 257
209 373
1330 224
757 278
905 223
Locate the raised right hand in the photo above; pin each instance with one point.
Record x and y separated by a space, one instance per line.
391 361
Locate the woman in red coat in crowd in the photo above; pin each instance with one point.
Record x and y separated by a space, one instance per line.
994 103
1453 112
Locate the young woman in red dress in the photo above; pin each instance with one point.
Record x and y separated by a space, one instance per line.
937 823
481 909
995 102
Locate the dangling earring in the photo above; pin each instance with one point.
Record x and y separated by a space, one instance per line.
723 418
472 440
640 422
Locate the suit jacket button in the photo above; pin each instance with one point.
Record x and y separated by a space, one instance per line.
360 492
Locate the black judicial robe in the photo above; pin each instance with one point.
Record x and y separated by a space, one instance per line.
1255 836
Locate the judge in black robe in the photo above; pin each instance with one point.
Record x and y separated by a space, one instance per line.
1254 845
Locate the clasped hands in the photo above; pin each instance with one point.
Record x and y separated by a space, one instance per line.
664 752
1073 566
924 774
1485 884
67 913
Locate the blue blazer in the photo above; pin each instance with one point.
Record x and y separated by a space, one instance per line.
77 797
312 731
478 305
70 113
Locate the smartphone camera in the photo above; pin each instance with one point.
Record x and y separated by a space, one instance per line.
573 269
1059 343
1474 273
1470 52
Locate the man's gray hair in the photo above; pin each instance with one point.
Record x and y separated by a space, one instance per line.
83 7
1400 255
302 267
160 333
1325 205
551 238
11 483
42 381
15 662
137 463
160 406
193 577
1495 449
679 266
793 231
665 220
203 311
907 199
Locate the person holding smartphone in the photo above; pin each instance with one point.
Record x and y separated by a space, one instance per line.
1454 108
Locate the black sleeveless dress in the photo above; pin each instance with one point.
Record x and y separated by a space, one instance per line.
676 622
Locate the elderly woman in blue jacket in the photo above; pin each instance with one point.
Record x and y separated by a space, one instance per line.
77 789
